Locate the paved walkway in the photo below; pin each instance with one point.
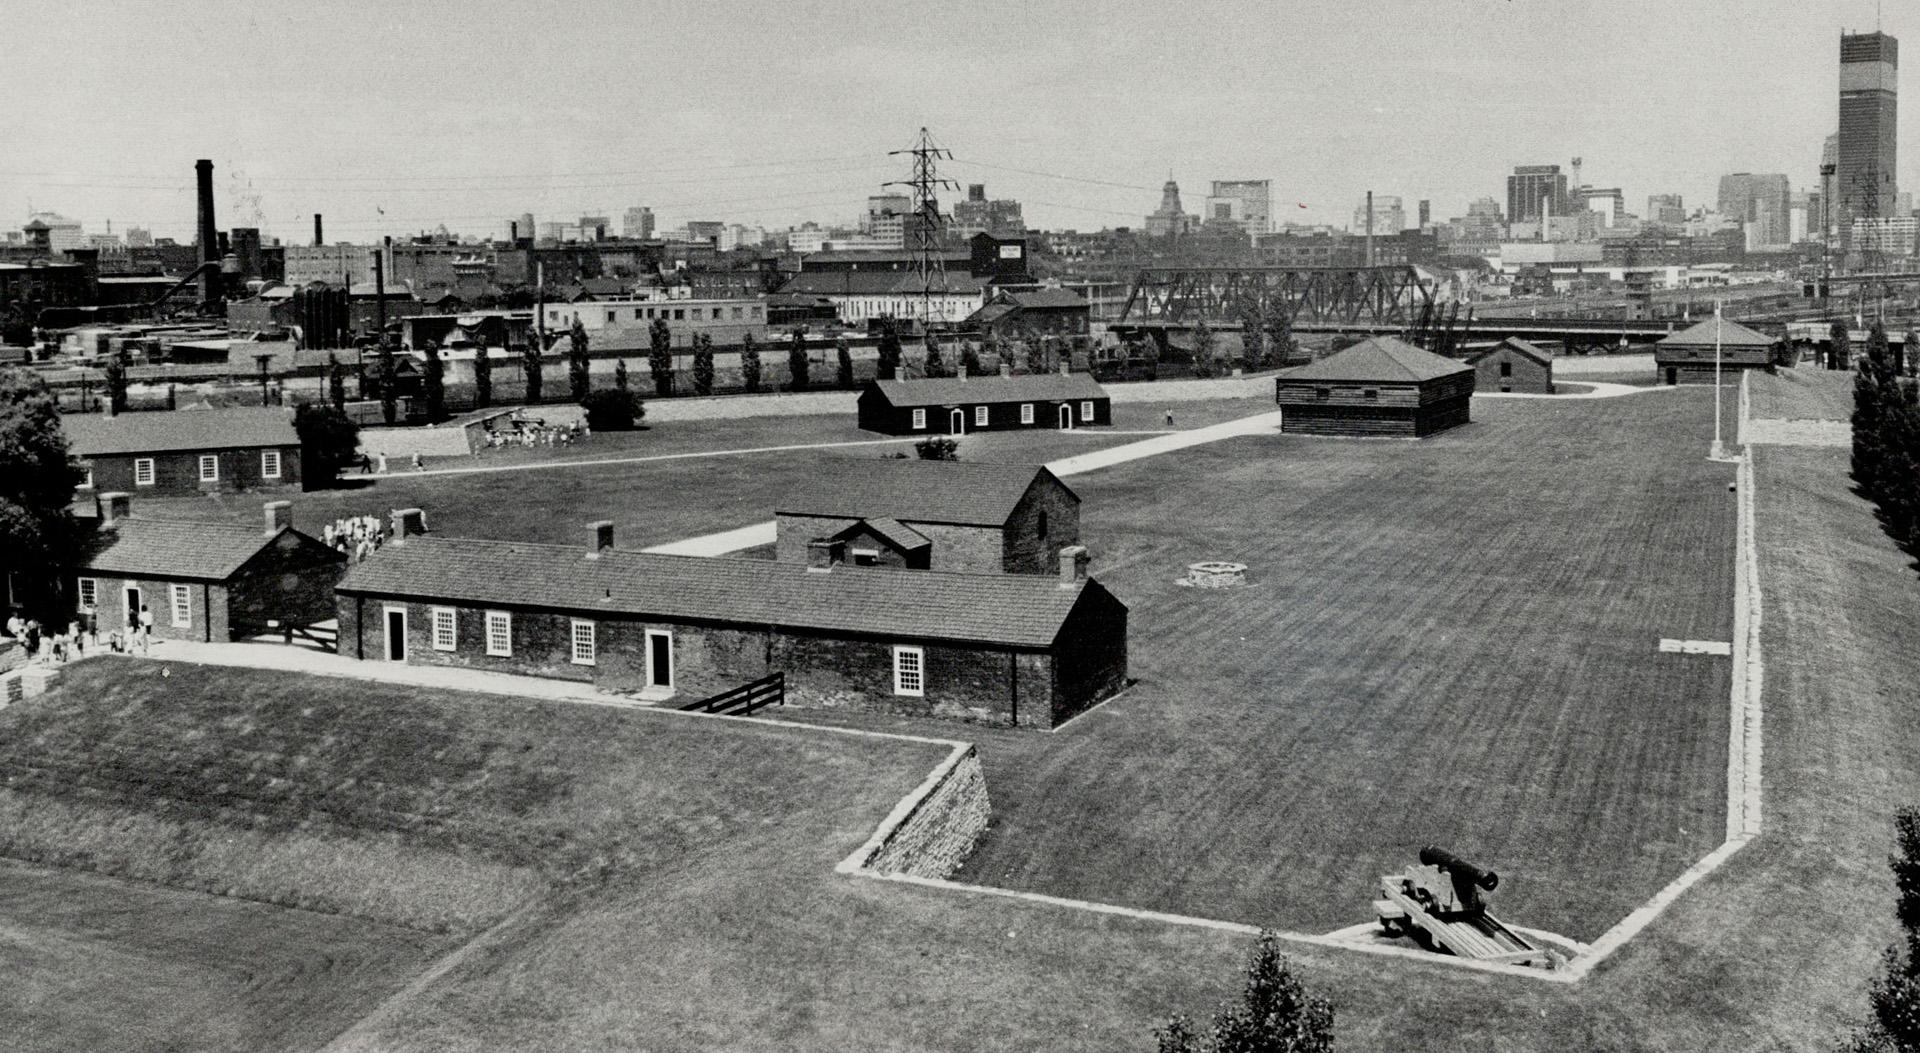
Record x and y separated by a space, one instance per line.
1595 390
535 466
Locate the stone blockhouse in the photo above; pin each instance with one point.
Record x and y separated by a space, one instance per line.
206 581
1513 364
1378 387
1017 650
938 515
185 452
956 405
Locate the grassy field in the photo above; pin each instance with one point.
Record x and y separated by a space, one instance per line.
1805 393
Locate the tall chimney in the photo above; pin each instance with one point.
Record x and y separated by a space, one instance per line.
114 507
599 538
210 285
408 522
513 232
822 554
1073 565
318 237
278 516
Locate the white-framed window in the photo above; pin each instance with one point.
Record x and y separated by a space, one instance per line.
920 418
89 591
582 637
180 599
143 471
500 634
1026 413
979 416
446 628
87 483
269 464
1086 411
910 671
209 468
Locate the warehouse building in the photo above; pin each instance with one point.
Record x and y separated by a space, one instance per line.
1380 386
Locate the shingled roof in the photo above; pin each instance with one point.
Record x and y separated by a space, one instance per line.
1015 610
953 391
876 283
96 434
962 493
892 531
1513 343
1731 334
1378 359
173 548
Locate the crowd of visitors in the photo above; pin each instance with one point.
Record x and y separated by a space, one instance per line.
70 644
357 536
531 433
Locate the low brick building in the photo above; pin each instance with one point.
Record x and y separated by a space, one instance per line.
183 452
1029 312
1017 650
1688 356
1513 364
1379 387
955 406
961 516
206 581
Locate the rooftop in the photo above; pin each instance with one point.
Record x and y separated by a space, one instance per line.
174 548
951 391
1016 610
1730 333
1379 359
875 283
913 491
96 434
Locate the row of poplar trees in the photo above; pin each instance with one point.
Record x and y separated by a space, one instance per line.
1886 436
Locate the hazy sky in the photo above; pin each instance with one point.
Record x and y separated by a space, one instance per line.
465 113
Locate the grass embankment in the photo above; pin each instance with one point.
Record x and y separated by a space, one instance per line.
1803 393
428 809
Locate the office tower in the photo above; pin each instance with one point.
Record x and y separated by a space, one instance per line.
1666 209
1761 202
1247 203
637 223
1534 191
1864 174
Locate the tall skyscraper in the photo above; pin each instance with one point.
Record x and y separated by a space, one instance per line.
637 223
1533 190
1760 202
1426 213
1869 90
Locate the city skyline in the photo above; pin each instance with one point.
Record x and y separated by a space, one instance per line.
368 145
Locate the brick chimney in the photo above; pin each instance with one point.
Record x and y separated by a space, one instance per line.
1073 565
408 522
1006 368
114 507
278 516
822 554
599 538
1066 363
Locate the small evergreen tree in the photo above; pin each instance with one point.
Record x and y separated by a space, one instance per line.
797 364
1202 349
660 358
1275 1014
1839 347
888 367
579 381
702 364
620 375
482 378
329 442
336 383
749 362
117 382
1037 356
530 363
934 365
434 386
1908 362
969 359
1895 995
1869 416
844 355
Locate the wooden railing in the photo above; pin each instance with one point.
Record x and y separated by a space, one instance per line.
743 700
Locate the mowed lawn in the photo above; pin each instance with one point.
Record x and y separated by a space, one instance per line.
653 502
1448 642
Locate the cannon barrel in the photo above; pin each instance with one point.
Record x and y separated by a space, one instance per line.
1461 870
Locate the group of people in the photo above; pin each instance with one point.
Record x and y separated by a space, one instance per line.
529 434
73 642
357 536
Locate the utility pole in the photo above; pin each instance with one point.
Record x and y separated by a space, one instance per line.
1369 254
926 243
1826 235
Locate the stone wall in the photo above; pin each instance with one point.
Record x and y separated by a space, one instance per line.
933 831
206 604
1046 520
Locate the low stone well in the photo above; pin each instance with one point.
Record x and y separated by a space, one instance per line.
1215 574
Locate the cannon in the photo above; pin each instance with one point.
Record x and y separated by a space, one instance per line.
1441 904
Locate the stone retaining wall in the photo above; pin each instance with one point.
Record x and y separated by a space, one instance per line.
933 830
18 685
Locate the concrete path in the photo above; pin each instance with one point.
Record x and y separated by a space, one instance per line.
535 466
1596 389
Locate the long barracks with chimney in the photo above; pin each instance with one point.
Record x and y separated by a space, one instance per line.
1022 650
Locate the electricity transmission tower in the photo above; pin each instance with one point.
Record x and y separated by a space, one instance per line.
924 223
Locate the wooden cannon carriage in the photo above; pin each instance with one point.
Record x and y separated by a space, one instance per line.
1439 903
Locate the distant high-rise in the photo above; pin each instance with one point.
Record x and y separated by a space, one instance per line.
1761 203
1169 218
1247 203
980 215
1426 213
1864 177
637 223
1666 209
1534 190
1389 215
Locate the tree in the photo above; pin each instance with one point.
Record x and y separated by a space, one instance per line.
1909 360
620 374
578 380
1895 994
435 386
990 345
37 476
1279 338
1869 412
117 382
612 409
1839 347
329 442
844 355
889 365
389 384
702 364
1038 360
1202 349
749 362
1275 1014
934 365
530 363
937 448
660 358
969 360
797 364
337 383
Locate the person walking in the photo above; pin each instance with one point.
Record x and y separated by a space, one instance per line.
146 628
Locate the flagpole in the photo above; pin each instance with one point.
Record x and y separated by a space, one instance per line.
1719 449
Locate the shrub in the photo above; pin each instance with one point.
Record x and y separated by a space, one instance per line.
1895 994
938 448
329 442
969 360
611 409
889 366
935 366
1275 1014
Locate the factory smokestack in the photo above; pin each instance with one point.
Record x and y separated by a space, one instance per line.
318 239
210 287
